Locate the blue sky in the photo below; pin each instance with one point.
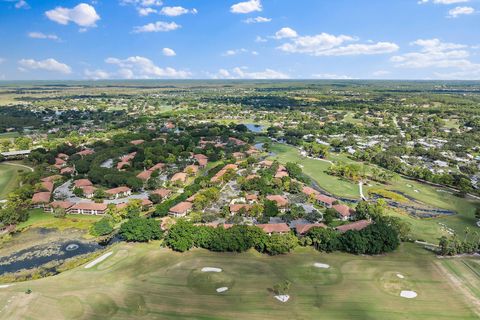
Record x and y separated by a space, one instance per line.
261 39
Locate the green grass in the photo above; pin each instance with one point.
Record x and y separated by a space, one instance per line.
9 178
144 281
40 219
316 170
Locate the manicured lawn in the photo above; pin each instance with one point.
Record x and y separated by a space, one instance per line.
9 176
316 170
147 282
40 219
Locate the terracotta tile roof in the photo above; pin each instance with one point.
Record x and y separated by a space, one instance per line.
325 199
281 174
118 190
61 204
251 197
357 225
343 210
59 161
238 142
52 178
193 168
67 170
304 228
308 191
89 206
234 208
274 227
47 185
162 192
252 176
122 164
82 183
266 163
280 200
230 166
137 142
179 176
88 190
62 156
145 175
181 208
41 197
158 166
85 152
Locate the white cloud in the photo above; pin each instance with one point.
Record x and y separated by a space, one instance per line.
159 26
331 76
177 11
286 33
242 73
137 67
433 53
260 39
146 11
257 20
234 52
83 15
40 35
142 3
325 44
22 4
97 74
246 6
459 11
168 52
47 64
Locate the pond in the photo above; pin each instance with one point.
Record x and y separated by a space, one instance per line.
253 127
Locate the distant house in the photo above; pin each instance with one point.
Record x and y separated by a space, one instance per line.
163 193
88 191
158 166
47 186
60 162
191 169
236 208
85 152
40 199
265 163
201 159
145 175
82 183
119 192
179 177
67 170
281 201
236 141
309 191
218 177
325 201
302 229
137 142
122 164
58 204
88 208
357 225
344 211
181 209
62 156
280 228
238 155
251 198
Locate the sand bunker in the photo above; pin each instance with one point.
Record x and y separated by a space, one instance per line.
408 294
321 265
401 276
222 289
283 297
98 260
210 269
5 286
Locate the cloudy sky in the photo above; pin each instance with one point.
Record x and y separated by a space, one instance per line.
234 39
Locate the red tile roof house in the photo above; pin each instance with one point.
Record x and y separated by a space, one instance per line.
67 170
62 156
344 211
60 162
88 208
251 198
145 175
221 173
119 192
58 204
201 159
158 166
236 208
179 177
191 169
271 228
52 178
163 193
122 164
281 201
357 225
82 183
40 199
236 141
302 229
181 209
309 191
88 191
85 152
47 186
137 142
324 200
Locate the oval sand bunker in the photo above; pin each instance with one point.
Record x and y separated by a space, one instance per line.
321 265
408 294
210 269
401 276
283 297
222 289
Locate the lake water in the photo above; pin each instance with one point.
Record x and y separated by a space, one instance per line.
257 128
